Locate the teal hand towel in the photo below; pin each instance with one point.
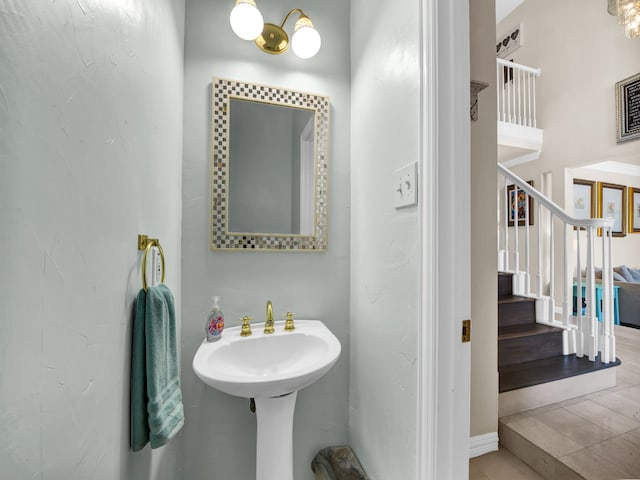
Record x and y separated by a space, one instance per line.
157 412
165 410
139 418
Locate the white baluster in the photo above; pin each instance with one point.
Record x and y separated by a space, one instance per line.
516 222
552 255
565 301
579 316
539 274
507 213
591 336
534 103
611 340
527 264
529 122
520 97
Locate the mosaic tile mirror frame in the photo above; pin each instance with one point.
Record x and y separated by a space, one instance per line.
223 92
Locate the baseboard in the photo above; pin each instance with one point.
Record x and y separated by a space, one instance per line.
481 444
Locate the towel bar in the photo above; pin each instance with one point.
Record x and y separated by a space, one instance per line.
145 243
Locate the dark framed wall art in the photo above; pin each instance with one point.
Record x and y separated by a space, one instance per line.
628 109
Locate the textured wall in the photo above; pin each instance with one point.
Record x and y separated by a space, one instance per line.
220 431
90 156
484 290
385 242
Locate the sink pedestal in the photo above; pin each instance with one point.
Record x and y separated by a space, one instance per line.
274 452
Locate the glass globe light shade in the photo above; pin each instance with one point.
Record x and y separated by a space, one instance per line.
306 39
246 20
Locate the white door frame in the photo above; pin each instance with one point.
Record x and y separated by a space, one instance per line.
443 360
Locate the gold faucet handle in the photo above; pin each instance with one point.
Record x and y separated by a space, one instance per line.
245 331
288 324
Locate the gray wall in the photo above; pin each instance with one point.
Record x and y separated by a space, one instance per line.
385 242
90 156
219 440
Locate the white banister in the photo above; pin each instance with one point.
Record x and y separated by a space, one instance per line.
587 332
516 93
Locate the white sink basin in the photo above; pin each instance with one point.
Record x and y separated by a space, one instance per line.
267 365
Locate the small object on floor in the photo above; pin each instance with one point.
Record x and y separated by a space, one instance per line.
337 463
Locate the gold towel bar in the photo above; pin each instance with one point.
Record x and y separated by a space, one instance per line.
145 243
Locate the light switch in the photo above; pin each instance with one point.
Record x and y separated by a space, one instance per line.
405 186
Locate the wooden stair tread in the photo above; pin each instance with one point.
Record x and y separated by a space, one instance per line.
516 331
536 372
515 299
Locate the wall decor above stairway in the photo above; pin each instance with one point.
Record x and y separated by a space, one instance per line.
524 207
628 108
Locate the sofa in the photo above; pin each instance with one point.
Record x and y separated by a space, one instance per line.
628 279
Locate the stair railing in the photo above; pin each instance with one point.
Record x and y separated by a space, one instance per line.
516 93
583 334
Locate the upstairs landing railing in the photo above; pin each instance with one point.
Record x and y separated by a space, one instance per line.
580 245
516 93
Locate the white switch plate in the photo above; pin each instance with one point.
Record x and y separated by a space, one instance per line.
405 186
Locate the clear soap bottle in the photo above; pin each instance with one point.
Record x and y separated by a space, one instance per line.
215 321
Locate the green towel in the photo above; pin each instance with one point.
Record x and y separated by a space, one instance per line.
157 413
139 419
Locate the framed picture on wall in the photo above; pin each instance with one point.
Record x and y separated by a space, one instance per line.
584 199
523 207
628 108
634 210
612 204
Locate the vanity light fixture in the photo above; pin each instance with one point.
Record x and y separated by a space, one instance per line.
246 21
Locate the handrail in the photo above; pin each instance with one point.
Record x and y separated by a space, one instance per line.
583 333
551 205
518 66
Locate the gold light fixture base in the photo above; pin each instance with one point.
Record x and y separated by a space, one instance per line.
273 39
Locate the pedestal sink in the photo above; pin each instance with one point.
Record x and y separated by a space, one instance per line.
270 368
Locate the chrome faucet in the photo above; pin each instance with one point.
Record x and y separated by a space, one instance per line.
268 324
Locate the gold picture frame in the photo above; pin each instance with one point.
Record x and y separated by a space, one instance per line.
612 203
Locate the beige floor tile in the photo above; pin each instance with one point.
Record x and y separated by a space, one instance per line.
604 417
619 402
513 418
553 406
617 388
539 460
545 437
628 376
578 429
565 473
624 451
588 463
500 465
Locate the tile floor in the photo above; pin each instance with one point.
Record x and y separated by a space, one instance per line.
596 435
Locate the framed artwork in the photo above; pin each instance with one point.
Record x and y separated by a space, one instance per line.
612 204
524 209
628 108
634 210
584 199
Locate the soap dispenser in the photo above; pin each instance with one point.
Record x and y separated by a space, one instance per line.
215 321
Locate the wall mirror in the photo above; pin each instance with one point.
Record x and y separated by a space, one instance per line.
269 168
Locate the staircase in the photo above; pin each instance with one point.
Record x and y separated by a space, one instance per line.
531 354
522 343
